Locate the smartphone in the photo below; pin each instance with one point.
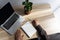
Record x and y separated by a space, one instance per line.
35 38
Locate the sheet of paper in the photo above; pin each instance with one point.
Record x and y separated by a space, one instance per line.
29 29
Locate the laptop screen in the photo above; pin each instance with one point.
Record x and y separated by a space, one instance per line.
5 13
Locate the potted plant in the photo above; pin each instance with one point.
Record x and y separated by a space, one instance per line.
27 6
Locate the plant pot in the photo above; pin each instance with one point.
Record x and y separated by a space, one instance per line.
27 12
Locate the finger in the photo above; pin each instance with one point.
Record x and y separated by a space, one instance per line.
22 35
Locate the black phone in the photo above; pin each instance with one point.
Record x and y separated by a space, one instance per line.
36 38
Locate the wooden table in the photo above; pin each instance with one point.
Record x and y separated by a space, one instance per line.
36 8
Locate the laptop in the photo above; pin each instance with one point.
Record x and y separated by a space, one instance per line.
9 19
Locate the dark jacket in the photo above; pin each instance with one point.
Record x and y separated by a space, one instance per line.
41 32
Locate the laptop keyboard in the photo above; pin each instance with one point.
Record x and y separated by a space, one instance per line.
11 21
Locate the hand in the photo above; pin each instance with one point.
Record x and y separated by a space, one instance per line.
35 22
18 35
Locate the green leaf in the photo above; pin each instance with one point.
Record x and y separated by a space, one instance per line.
30 8
23 3
27 0
30 3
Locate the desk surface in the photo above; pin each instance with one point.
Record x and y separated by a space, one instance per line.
46 24
5 36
